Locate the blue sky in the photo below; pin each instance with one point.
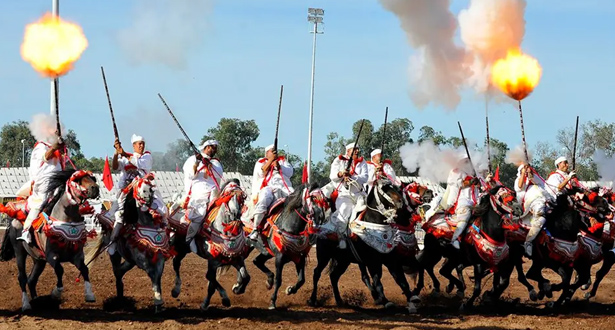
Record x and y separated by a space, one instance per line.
250 47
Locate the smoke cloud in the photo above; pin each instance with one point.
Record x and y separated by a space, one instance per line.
516 156
165 31
440 69
606 167
43 127
156 132
436 71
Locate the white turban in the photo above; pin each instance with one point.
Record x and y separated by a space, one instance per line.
351 146
208 143
136 138
269 147
559 160
375 152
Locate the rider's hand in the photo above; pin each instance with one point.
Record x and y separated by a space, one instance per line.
489 178
199 157
572 175
474 181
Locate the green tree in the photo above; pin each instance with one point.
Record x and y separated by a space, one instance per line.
235 137
428 133
11 146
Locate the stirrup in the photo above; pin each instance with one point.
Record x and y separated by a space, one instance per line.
25 236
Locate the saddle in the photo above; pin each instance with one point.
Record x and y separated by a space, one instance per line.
151 240
17 210
441 226
379 237
559 250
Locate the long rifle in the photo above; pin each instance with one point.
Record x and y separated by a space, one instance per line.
356 140
277 125
574 149
488 139
194 148
384 133
57 108
115 133
465 145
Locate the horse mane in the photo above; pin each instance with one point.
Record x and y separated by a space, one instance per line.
484 204
131 213
55 188
295 200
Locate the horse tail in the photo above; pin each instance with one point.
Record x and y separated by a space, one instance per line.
94 249
222 270
7 251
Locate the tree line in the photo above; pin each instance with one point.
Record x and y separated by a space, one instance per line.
238 153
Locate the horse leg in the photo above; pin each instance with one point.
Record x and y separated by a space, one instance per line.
368 282
37 269
322 261
119 270
280 261
339 268
415 266
85 272
398 275
429 257
155 274
300 267
607 263
177 263
566 275
478 278
259 262
447 272
535 273
23 279
243 277
211 287
523 280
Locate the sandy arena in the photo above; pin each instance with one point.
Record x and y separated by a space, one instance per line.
249 311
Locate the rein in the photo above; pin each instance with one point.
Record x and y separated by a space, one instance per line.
389 214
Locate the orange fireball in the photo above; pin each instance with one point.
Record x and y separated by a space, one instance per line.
52 45
516 75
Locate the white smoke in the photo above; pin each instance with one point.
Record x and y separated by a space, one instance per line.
43 127
441 69
436 71
516 156
488 30
606 167
165 31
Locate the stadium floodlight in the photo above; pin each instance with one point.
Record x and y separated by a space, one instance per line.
315 16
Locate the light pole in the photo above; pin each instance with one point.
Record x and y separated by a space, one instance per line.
23 152
55 11
315 15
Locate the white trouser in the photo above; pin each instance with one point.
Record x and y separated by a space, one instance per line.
462 216
35 201
537 208
266 197
344 205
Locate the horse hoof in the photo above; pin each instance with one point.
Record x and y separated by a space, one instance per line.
90 298
272 306
541 295
269 283
412 308
389 305
226 302
533 295
460 294
204 307
235 288
56 293
449 288
585 287
26 307
289 291
312 302
415 299
175 292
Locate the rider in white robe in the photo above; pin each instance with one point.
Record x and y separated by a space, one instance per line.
532 197
349 185
560 179
270 181
377 168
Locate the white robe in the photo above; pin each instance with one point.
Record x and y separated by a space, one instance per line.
134 162
386 168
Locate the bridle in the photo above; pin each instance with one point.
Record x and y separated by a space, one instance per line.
310 200
499 202
388 213
75 192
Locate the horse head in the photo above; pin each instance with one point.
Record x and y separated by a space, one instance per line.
231 202
70 189
592 204
315 203
386 199
143 190
416 202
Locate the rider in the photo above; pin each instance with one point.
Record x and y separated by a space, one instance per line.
461 193
561 178
349 186
47 157
380 168
202 179
270 181
137 164
531 192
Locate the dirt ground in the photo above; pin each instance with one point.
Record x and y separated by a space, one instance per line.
250 310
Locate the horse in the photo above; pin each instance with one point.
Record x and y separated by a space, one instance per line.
608 250
288 236
557 245
370 240
406 245
484 244
143 241
59 233
221 241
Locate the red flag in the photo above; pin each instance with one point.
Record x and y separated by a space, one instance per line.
176 167
304 177
8 163
496 177
107 178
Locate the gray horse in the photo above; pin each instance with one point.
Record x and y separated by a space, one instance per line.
59 234
143 242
